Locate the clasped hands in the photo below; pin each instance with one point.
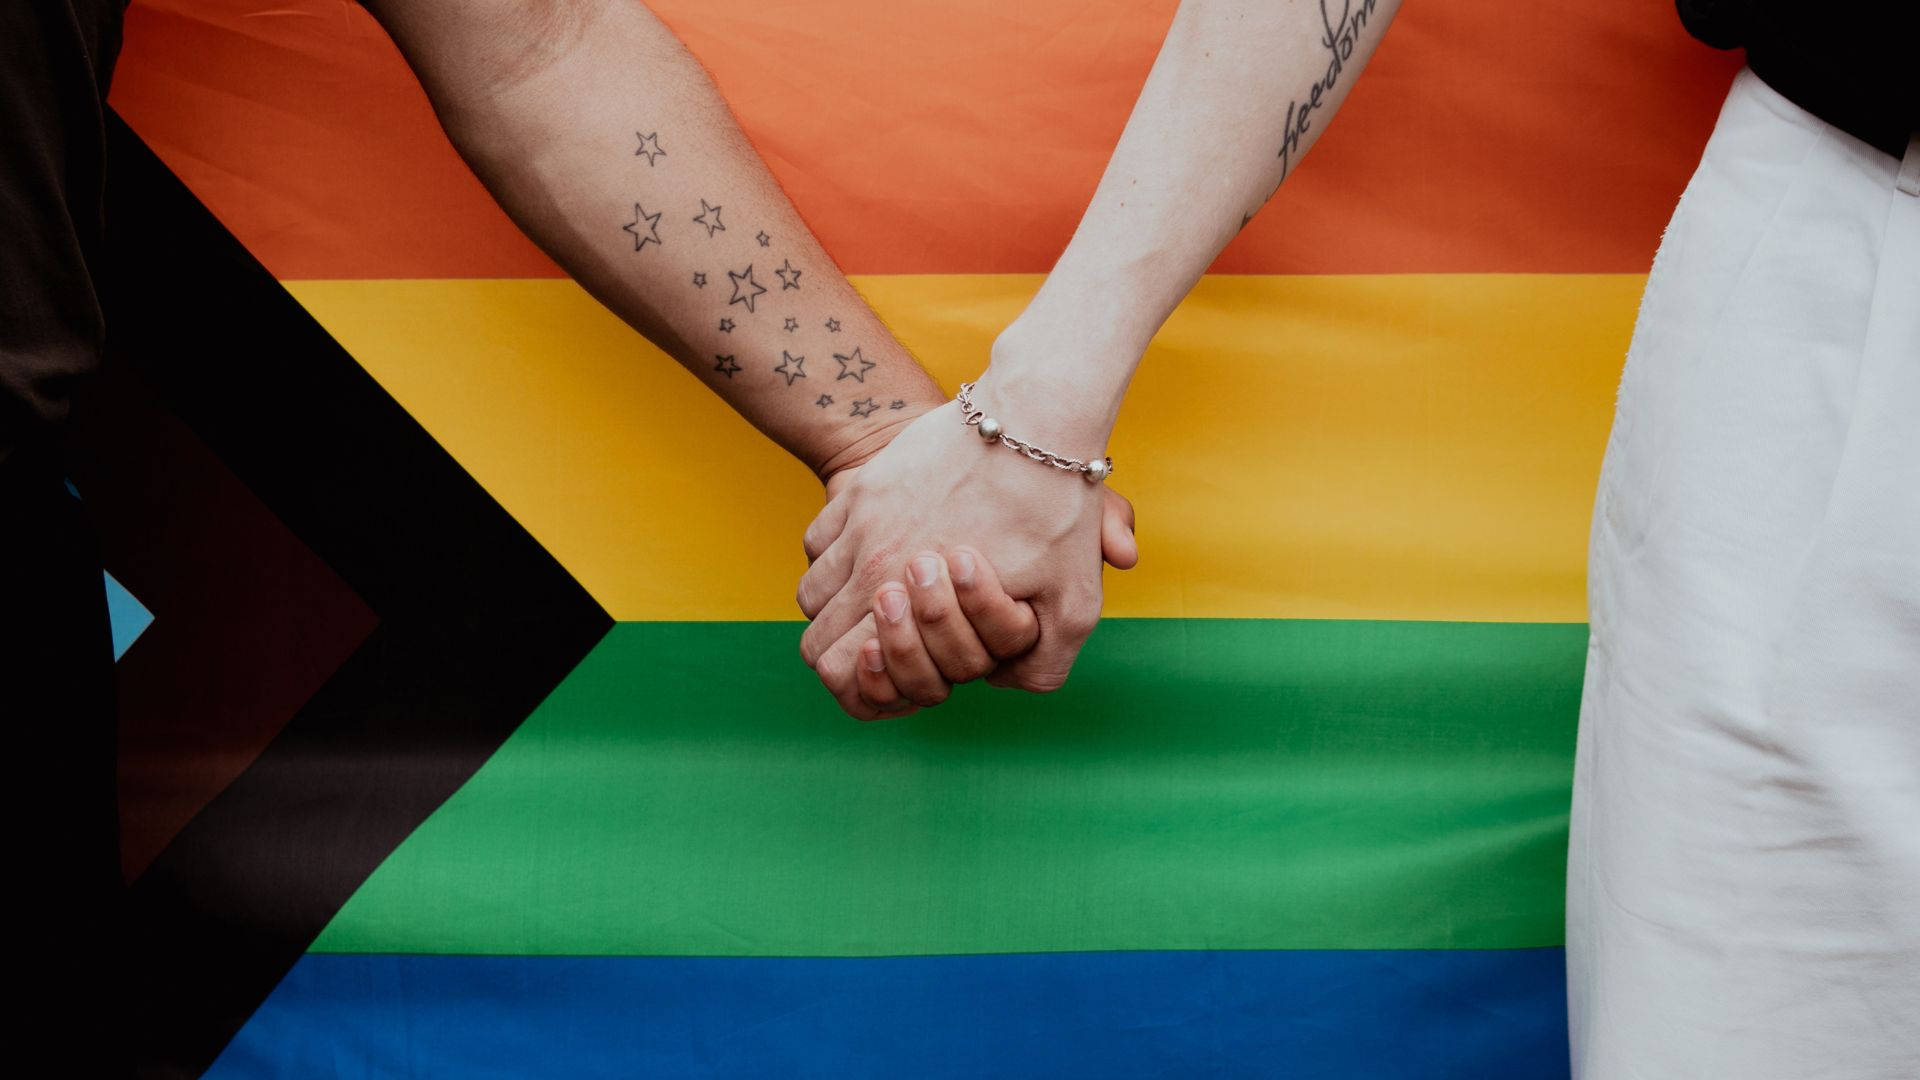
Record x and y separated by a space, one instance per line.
942 559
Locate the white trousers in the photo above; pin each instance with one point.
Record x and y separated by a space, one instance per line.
1743 888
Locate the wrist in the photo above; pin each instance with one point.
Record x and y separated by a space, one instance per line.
861 449
1057 390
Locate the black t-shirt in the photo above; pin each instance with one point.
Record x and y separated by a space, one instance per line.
56 57
1855 65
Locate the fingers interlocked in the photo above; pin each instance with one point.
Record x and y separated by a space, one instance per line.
949 622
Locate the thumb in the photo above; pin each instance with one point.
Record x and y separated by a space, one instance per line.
1117 543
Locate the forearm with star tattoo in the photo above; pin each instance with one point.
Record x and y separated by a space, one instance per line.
607 143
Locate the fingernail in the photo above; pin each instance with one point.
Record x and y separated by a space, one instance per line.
893 604
870 656
961 563
926 570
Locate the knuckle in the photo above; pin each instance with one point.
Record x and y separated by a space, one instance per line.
932 610
1042 682
972 668
930 694
835 672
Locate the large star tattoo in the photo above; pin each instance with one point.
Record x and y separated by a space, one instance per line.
865 407
642 237
853 366
789 277
791 366
710 217
649 147
745 289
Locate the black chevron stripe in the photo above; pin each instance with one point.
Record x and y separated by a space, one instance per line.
477 622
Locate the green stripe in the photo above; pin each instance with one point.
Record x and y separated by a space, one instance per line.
1201 784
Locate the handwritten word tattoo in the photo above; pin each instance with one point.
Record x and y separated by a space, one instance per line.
726 326
649 147
833 326
648 235
1339 38
764 238
790 366
823 400
853 366
725 365
745 289
789 277
699 280
865 407
710 217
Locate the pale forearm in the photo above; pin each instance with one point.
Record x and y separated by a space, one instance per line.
1240 91
608 144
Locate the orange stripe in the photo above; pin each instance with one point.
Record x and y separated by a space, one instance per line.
921 136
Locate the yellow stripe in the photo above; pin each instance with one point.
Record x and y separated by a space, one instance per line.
1375 447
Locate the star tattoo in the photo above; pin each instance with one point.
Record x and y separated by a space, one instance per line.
710 217
865 407
726 326
649 147
790 366
789 277
898 405
699 281
642 237
764 238
745 289
823 400
725 365
853 366
833 326
791 324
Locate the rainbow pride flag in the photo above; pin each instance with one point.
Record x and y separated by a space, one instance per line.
468 735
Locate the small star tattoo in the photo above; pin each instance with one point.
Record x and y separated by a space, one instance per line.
725 365
790 366
764 238
789 277
649 147
823 400
699 281
710 217
791 324
650 235
898 405
745 289
726 326
833 326
853 366
865 407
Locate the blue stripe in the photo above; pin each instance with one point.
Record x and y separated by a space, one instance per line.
1350 1015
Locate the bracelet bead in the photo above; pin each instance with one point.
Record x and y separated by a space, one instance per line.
991 431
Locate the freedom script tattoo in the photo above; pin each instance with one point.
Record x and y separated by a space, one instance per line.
1339 36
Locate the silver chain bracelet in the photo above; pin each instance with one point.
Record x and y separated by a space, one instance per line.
1095 471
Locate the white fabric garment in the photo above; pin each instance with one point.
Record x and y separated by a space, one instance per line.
1743 893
